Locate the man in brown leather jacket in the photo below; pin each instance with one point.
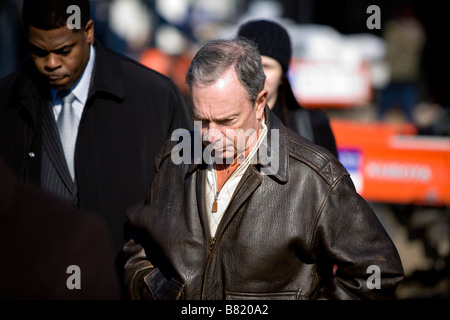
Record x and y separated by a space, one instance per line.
272 217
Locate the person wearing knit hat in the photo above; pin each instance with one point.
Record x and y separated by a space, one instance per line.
272 40
275 47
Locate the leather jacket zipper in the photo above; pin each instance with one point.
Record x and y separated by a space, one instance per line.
214 206
212 241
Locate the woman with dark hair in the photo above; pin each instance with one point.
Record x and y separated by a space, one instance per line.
275 48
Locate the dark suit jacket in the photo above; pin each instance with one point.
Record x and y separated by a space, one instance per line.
41 236
131 110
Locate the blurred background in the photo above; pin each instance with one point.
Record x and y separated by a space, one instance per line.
381 73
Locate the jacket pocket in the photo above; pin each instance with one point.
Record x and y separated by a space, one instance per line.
162 288
287 295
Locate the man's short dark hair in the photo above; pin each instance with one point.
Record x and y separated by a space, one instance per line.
52 14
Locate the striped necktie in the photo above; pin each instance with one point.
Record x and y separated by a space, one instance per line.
68 128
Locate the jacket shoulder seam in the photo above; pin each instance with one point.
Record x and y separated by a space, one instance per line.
322 163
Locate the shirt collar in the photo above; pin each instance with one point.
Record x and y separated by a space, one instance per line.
255 148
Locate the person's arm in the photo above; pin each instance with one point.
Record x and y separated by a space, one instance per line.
137 266
349 236
144 280
142 277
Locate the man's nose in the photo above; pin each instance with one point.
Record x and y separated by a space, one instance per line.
52 62
212 133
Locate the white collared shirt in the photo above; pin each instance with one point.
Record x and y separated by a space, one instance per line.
227 191
80 90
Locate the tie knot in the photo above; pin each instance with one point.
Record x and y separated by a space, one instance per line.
67 96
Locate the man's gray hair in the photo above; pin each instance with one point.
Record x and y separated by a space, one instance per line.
215 58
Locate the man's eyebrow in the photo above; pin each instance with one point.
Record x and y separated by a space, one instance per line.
62 48
30 44
222 119
226 118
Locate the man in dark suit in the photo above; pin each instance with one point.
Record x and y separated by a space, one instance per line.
49 249
97 149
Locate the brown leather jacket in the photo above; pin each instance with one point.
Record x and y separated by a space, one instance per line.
279 238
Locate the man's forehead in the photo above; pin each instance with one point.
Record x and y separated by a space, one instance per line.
227 77
51 39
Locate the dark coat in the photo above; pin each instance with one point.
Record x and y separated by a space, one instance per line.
130 111
41 236
279 238
312 124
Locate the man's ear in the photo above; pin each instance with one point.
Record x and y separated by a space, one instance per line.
89 32
260 103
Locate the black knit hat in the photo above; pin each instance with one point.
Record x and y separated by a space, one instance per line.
272 40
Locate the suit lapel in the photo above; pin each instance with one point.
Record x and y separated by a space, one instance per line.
53 147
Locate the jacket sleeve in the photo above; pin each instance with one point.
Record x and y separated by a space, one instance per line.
137 265
348 236
143 276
